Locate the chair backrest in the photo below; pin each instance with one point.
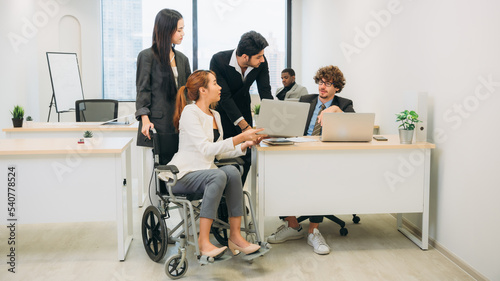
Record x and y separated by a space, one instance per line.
164 146
96 110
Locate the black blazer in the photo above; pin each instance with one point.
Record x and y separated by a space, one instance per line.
343 103
152 97
235 95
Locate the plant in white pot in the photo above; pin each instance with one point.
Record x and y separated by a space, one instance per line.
28 122
408 120
17 116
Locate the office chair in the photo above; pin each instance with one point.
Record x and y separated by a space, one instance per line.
155 234
341 223
96 110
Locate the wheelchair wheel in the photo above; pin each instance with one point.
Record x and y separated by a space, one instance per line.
220 233
171 267
154 233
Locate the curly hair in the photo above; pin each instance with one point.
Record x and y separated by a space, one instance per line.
333 74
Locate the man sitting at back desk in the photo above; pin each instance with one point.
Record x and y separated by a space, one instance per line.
290 91
330 81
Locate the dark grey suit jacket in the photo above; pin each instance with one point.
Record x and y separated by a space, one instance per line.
235 95
343 103
152 97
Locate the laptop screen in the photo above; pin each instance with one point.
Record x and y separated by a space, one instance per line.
347 126
282 118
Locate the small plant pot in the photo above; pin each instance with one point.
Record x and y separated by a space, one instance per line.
17 123
405 136
255 119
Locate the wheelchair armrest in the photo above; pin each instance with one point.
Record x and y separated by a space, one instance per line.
229 161
170 168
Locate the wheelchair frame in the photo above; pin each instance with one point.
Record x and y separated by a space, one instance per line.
156 235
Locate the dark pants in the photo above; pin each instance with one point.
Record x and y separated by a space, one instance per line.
247 158
313 219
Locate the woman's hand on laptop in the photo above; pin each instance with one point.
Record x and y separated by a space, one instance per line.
249 137
331 109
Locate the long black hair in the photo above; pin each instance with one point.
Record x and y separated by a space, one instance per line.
165 26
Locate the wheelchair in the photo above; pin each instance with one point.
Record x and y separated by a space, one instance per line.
156 236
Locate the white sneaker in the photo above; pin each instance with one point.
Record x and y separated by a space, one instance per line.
317 241
285 233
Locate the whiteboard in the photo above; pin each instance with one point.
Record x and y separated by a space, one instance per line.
65 79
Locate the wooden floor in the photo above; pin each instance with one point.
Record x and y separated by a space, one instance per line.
373 250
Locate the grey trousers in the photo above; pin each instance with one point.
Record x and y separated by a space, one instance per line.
213 183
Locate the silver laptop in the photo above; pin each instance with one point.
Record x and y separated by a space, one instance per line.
282 118
347 126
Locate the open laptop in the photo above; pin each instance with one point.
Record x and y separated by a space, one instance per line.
347 126
282 118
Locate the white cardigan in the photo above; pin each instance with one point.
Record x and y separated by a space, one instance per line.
197 149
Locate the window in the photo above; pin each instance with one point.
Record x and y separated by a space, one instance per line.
221 24
127 27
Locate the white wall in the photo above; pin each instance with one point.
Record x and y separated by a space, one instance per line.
445 48
33 27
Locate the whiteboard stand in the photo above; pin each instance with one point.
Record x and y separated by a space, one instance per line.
52 102
66 82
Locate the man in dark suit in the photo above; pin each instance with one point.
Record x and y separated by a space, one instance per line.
330 81
236 70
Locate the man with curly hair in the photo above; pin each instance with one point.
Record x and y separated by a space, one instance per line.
330 81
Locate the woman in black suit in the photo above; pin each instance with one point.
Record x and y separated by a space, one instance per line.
161 70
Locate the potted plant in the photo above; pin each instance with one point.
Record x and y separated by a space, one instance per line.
88 134
29 120
17 116
408 120
256 110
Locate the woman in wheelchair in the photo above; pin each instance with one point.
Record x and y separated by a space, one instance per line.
200 142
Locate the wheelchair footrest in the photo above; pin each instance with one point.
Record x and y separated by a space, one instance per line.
204 260
262 251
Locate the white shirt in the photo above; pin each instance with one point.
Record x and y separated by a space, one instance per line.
234 63
197 150
176 75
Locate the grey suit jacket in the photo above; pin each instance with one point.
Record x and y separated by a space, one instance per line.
295 92
151 95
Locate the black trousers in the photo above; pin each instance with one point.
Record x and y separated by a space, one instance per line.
247 158
313 219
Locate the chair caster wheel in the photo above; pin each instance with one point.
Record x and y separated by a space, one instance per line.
171 267
355 219
343 231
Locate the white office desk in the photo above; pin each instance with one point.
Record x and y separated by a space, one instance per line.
141 171
59 180
323 178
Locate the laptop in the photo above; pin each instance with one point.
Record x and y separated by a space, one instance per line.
282 118
347 126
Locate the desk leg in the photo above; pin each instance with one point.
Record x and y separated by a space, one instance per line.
146 158
425 214
259 180
124 220
423 242
141 173
253 178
